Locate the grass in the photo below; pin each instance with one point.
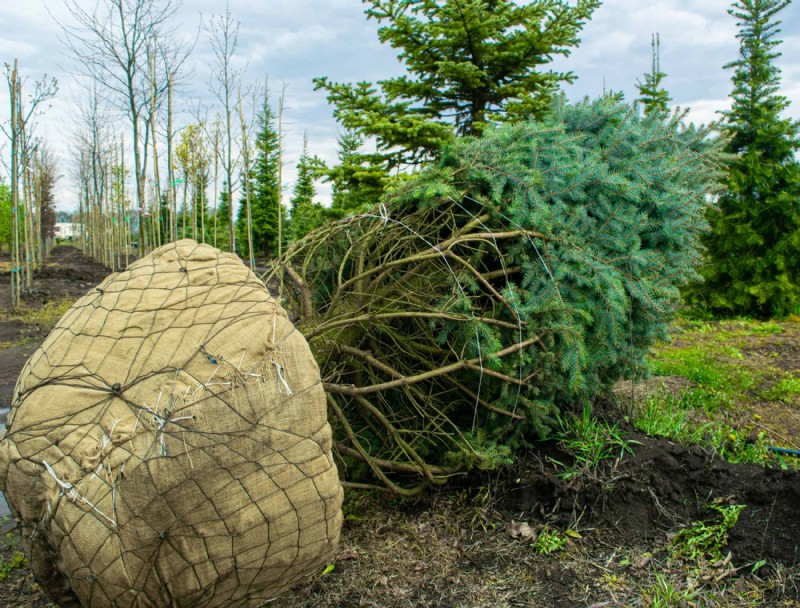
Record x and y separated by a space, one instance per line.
36 320
705 365
45 316
589 441
8 563
671 416
11 558
725 392
784 390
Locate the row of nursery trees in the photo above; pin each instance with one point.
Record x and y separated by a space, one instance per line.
505 254
216 178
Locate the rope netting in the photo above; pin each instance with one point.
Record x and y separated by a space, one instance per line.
168 443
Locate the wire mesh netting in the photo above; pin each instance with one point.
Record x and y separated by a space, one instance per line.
168 443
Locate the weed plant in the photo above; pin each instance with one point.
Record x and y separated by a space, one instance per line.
703 542
589 441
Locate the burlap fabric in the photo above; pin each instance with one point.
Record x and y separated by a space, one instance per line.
168 443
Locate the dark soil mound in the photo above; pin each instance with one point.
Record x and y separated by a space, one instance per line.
662 486
66 273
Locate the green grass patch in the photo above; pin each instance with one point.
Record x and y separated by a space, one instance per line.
24 341
705 365
8 563
670 416
47 315
783 390
693 363
589 441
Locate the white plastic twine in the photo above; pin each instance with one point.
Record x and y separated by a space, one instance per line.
68 489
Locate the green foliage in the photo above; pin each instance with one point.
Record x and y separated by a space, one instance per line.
754 245
5 214
306 215
192 165
223 219
589 441
664 593
524 273
469 63
550 541
704 541
653 96
265 189
783 390
358 181
14 561
671 416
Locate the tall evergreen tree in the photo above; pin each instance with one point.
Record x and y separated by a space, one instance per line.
357 181
264 188
306 214
652 95
469 63
754 245
223 218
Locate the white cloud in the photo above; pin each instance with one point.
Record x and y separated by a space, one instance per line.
705 111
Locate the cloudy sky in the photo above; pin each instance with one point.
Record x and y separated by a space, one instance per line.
292 41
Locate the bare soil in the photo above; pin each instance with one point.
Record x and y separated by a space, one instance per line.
465 545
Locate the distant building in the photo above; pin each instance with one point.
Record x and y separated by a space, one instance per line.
67 230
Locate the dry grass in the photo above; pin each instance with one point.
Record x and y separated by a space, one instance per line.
451 551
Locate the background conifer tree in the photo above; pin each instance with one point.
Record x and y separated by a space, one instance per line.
265 189
223 219
652 95
754 245
357 182
306 215
469 62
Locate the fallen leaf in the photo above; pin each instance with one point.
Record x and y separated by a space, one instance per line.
520 530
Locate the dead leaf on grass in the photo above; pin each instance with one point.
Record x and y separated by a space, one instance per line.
520 530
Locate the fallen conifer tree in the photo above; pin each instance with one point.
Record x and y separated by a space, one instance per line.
524 273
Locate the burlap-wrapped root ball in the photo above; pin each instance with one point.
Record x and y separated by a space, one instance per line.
168 443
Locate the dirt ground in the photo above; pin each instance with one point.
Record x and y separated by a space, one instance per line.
532 535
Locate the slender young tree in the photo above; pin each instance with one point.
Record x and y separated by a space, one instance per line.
754 245
113 41
46 176
20 132
223 33
652 94
245 210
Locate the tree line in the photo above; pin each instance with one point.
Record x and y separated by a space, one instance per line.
469 66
